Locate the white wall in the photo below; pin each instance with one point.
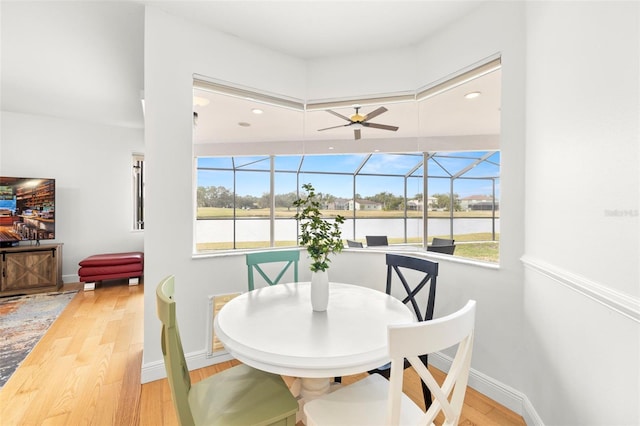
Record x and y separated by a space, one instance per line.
92 167
581 304
364 75
582 139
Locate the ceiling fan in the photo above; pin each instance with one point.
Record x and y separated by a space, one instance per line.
358 121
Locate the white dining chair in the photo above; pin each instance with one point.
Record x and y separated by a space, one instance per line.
376 401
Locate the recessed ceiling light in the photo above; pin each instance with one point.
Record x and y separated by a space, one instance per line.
472 95
199 101
244 124
257 111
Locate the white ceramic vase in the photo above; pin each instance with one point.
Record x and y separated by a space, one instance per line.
319 290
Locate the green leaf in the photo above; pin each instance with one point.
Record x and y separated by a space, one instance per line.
321 237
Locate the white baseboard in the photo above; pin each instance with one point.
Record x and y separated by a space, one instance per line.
71 278
499 392
152 371
155 370
530 415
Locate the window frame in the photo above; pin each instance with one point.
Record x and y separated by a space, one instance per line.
137 190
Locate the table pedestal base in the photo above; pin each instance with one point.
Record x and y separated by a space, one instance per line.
313 388
310 388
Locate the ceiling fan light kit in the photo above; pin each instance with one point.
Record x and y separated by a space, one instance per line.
358 121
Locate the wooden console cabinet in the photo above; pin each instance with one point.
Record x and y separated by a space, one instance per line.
30 269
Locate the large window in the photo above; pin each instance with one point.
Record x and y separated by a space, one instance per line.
412 166
246 202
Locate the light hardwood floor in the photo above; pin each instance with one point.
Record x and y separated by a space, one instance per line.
86 371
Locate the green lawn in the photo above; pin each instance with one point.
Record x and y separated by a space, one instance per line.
471 246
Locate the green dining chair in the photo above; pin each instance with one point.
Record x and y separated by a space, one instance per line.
286 257
239 396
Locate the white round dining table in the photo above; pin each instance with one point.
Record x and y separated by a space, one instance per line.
275 329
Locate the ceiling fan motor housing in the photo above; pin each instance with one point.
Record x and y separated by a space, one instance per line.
357 118
357 121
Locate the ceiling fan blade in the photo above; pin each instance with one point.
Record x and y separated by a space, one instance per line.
356 134
381 126
334 127
375 113
338 115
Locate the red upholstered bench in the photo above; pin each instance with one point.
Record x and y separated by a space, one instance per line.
111 266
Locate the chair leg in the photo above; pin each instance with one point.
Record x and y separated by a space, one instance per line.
426 393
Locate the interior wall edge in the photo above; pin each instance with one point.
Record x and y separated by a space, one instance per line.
616 301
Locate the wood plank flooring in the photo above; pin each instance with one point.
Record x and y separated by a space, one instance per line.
86 371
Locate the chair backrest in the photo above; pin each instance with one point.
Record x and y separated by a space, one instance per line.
172 352
377 240
288 257
398 263
410 340
442 241
442 249
356 244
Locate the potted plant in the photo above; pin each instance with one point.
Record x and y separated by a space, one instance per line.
322 238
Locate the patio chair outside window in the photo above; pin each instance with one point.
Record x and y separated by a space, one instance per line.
377 240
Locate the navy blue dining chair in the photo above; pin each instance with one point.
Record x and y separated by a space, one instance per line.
424 281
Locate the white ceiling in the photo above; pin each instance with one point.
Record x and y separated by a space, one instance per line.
75 60
321 28
84 61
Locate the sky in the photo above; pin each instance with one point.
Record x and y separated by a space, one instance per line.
389 167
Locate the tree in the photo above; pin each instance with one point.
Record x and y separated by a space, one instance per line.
388 200
201 196
265 201
285 200
246 202
443 201
214 196
223 197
